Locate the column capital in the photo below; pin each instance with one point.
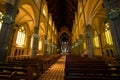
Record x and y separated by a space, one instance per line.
113 13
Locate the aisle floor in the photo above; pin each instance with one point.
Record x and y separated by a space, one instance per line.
56 71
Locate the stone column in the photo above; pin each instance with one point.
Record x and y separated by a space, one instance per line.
45 45
101 45
53 47
36 32
89 42
50 46
35 41
6 33
77 48
53 42
113 14
46 38
80 41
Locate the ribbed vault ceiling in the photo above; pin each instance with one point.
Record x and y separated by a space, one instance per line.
63 12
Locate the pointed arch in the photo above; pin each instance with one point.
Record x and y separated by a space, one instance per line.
45 10
42 28
26 15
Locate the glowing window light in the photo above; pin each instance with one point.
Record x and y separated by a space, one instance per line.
20 40
44 10
1 15
50 20
96 40
31 43
108 35
84 45
0 25
40 45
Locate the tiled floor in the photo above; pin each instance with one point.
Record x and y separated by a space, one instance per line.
56 72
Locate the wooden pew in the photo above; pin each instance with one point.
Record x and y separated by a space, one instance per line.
78 73
19 73
35 66
6 76
77 68
48 60
30 68
91 78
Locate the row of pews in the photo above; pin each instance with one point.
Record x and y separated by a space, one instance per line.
84 68
26 69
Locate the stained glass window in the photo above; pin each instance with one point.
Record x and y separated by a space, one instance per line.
20 40
40 45
108 34
1 15
96 40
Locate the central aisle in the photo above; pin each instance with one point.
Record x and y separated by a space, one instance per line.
56 71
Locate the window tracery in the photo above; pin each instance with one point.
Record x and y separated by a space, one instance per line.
108 34
20 40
